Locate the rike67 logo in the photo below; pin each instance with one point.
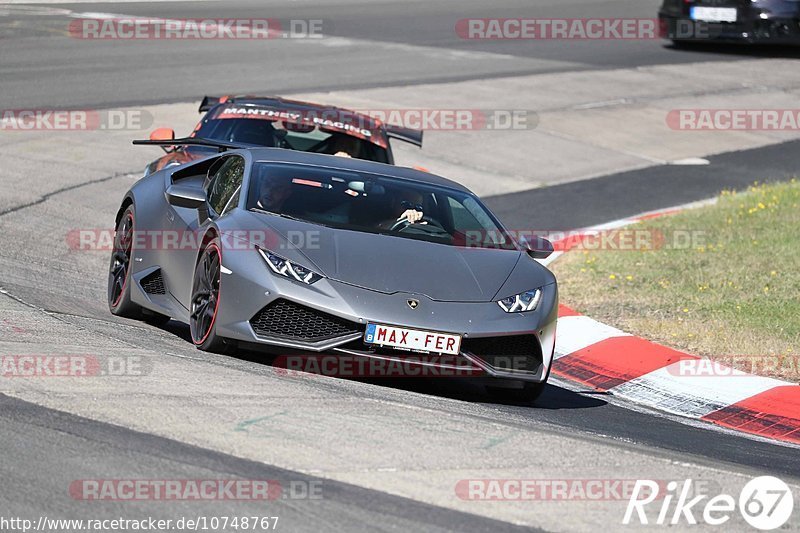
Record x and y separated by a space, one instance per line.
765 503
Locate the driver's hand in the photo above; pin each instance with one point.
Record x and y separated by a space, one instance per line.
343 154
412 215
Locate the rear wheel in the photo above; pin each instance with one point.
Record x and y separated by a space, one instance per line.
205 300
119 272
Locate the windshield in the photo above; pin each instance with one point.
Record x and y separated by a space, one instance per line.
374 204
264 131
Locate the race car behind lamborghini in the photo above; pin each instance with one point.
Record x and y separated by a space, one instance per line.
275 122
287 251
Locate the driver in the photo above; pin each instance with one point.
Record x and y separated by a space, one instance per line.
405 206
344 146
272 194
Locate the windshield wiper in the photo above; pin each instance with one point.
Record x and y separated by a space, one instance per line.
290 217
282 215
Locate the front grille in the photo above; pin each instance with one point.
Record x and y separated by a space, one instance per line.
153 283
288 320
519 353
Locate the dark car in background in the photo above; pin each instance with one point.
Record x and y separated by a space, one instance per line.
274 122
748 21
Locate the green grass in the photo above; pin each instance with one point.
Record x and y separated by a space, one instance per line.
734 291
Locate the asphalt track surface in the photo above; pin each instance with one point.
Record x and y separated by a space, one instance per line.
583 204
393 43
43 449
49 433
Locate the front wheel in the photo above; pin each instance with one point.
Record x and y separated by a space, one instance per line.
205 300
528 393
119 275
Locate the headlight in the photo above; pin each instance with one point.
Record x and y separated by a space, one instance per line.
527 301
284 267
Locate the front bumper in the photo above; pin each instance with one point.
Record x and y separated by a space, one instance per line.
749 29
332 316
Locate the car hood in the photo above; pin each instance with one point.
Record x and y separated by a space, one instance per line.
393 264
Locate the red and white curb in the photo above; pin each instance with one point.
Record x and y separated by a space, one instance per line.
608 359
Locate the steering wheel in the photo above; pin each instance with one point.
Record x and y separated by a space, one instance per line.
404 223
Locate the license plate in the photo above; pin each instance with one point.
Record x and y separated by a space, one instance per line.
713 14
413 339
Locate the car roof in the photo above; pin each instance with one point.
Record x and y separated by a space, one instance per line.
280 155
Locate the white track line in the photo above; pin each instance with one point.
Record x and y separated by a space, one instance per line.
674 389
578 332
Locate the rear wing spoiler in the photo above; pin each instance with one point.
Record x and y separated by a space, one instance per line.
393 132
404 134
222 146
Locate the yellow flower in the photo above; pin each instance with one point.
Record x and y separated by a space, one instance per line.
612 276
629 278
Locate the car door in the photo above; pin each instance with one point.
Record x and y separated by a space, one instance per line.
223 187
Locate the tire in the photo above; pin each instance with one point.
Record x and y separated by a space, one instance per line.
119 271
528 394
119 275
681 44
205 301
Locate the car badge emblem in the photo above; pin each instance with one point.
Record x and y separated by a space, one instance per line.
413 304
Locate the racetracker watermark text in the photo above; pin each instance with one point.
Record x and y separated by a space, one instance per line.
557 29
73 366
409 366
734 119
141 28
624 239
738 366
195 489
581 29
455 119
74 119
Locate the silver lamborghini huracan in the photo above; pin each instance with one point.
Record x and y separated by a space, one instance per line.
289 252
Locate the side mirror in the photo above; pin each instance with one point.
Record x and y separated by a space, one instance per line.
539 248
189 197
164 134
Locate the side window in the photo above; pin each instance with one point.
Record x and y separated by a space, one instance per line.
469 216
463 220
223 190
